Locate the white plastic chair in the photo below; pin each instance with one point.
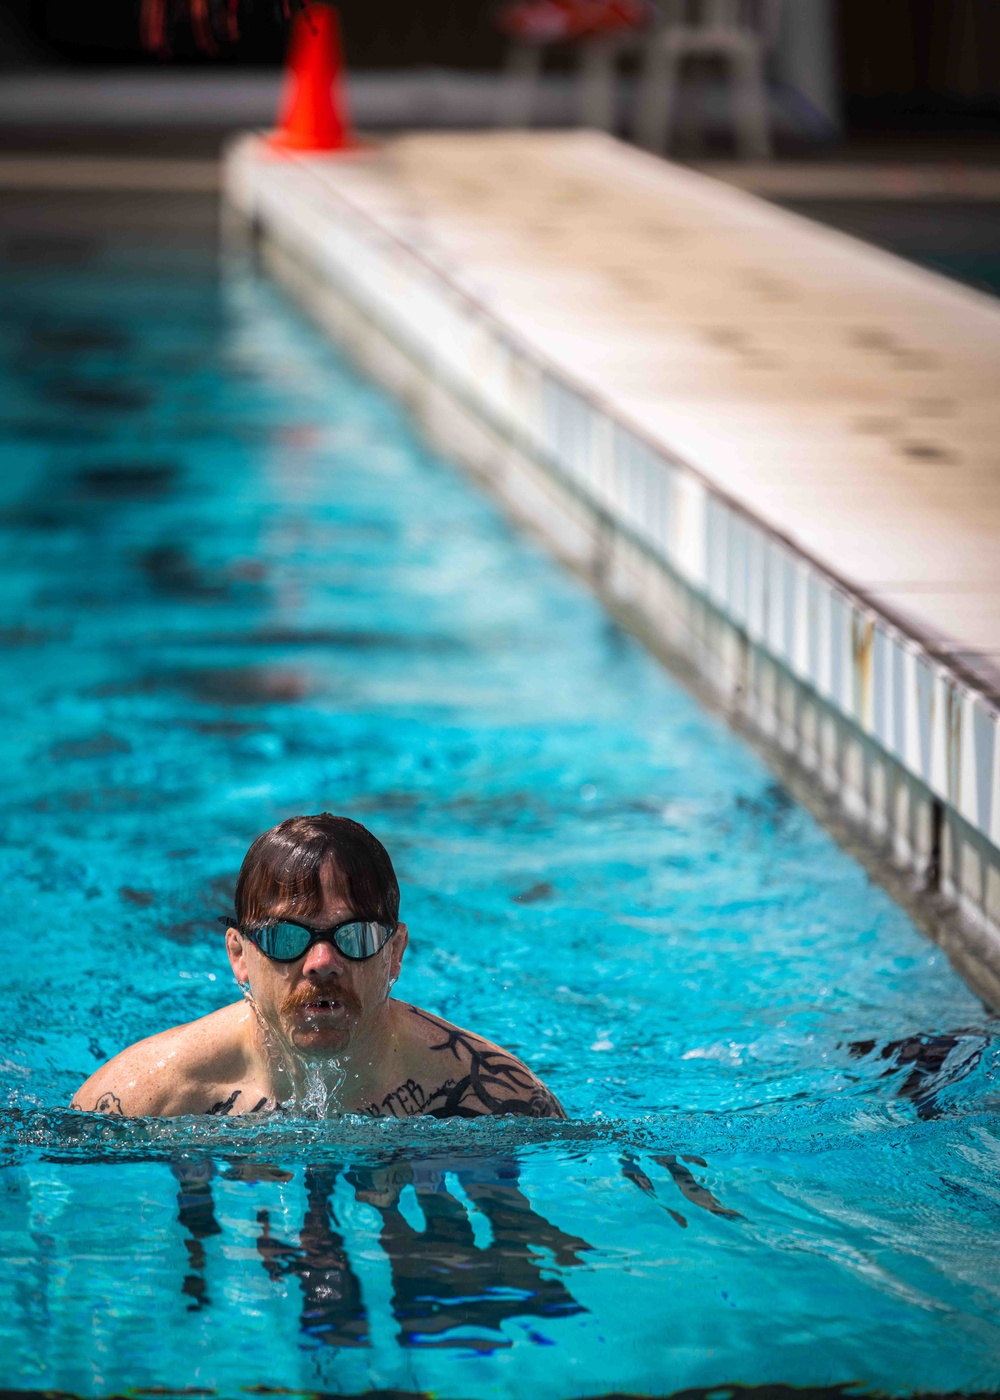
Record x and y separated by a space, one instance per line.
599 33
738 31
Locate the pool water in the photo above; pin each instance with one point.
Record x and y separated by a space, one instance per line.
235 585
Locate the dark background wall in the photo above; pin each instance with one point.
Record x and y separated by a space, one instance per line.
377 33
914 63
903 64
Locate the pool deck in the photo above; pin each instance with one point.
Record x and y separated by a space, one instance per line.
813 404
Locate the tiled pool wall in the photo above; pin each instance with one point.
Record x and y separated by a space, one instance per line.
893 735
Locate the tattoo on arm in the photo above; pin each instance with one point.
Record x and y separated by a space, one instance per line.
494 1082
107 1103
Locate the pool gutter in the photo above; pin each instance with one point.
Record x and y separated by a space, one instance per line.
865 715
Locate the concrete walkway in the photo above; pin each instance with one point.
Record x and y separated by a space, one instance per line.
846 398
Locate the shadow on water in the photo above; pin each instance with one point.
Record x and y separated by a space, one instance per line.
332 1311
685 1181
921 1067
465 1247
196 1214
171 570
82 394
57 339
846 1391
128 481
221 685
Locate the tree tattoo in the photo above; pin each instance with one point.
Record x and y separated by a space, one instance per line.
493 1082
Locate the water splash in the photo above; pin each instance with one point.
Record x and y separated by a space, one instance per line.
319 1082
320 1096
843 1131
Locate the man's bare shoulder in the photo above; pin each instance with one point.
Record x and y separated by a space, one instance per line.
172 1072
458 1074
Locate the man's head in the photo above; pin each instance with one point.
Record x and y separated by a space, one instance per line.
319 871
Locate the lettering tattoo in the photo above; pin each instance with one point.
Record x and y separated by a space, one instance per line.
406 1101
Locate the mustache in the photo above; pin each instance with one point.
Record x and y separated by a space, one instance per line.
299 1000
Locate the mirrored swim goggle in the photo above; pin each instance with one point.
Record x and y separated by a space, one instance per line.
287 941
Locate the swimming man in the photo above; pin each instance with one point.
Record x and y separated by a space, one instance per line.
316 945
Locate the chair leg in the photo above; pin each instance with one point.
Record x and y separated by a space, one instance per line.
657 97
519 85
598 83
750 109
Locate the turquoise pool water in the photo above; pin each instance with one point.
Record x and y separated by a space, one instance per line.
234 585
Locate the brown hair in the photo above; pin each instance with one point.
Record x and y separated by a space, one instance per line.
285 866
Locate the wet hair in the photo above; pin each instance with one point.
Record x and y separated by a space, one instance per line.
285 867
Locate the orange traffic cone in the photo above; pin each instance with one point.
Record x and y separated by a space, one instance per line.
314 114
